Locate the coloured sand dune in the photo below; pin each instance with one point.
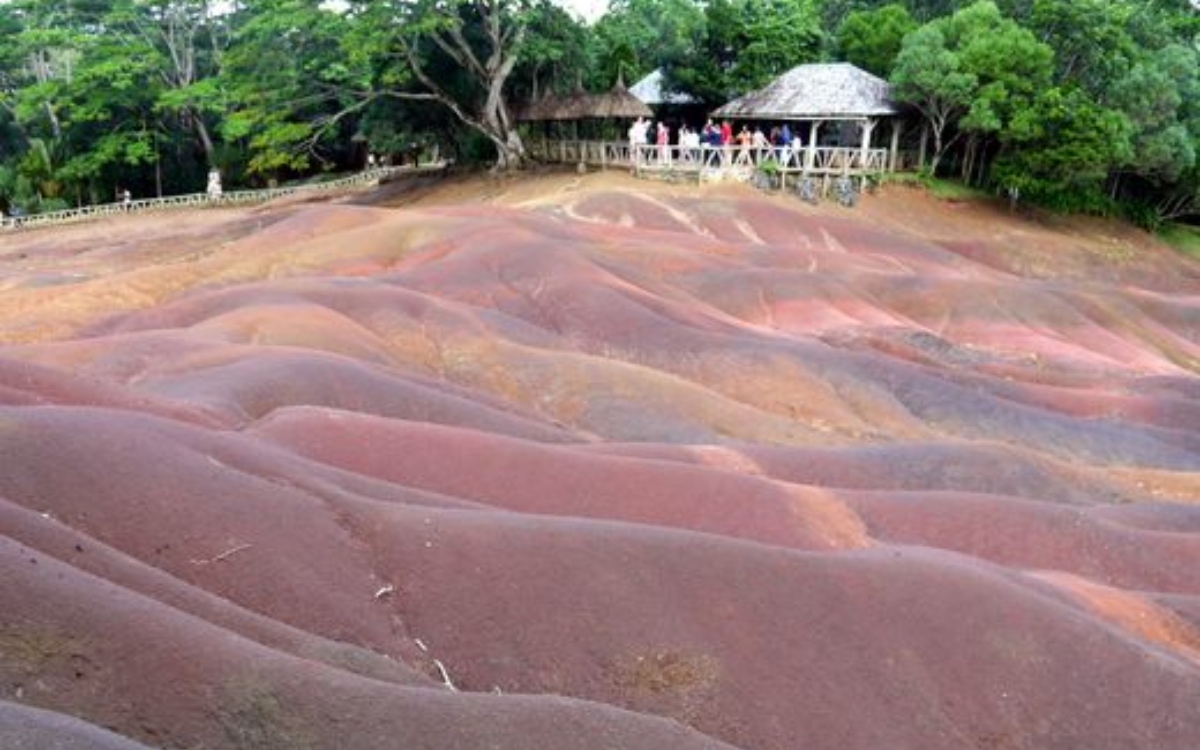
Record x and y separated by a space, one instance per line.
586 463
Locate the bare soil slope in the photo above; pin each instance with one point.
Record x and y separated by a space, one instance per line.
583 462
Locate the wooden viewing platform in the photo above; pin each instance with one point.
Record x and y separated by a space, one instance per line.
203 200
712 164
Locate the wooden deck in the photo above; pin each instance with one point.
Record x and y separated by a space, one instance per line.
710 164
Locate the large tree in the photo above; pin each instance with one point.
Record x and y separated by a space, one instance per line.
1158 96
76 107
555 54
1063 147
459 53
970 74
637 36
181 43
871 39
746 44
292 79
931 77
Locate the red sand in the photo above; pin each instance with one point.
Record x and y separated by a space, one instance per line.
628 465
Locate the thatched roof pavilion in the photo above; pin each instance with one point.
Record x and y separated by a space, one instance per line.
829 91
822 93
615 104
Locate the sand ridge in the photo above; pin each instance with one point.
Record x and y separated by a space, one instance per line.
584 461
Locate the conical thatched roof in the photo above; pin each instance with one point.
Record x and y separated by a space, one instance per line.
650 91
812 92
616 104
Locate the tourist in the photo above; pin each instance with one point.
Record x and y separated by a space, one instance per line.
690 141
761 145
708 139
637 137
214 184
743 139
663 139
785 144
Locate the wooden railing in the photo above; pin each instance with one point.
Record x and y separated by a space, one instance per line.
196 200
715 162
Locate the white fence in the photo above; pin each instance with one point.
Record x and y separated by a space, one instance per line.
717 162
195 200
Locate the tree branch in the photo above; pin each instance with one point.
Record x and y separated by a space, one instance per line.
438 93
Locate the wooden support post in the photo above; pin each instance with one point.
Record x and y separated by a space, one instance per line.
868 126
810 156
894 151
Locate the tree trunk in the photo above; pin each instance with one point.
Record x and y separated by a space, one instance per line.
970 157
205 138
938 148
510 152
981 172
491 118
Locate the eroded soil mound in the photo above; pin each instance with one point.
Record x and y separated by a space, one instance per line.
580 462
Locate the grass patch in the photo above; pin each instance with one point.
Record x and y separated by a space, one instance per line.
903 179
667 672
943 189
1182 237
35 650
950 190
255 717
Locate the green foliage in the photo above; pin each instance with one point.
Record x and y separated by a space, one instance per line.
871 39
1069 100
554 55
973 73
1009 64
1143 215
286 73
1183 237
1090 38
637 36
746 43
1066 147
1158 96
930 76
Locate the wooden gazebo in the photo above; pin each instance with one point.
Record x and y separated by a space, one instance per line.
822 94
615 104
